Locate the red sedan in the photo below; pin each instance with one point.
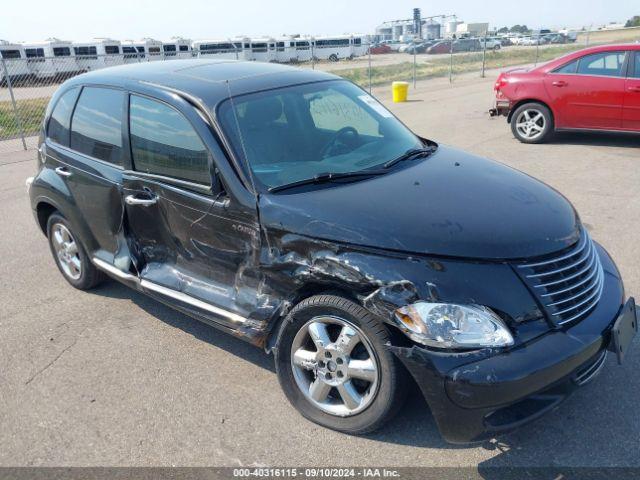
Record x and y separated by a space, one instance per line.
596 88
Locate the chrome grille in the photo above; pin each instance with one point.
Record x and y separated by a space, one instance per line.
569 284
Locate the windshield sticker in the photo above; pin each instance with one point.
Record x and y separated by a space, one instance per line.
373 103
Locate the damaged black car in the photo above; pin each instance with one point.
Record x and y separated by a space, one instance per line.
290 208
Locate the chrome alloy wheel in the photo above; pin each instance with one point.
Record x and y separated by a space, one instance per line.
335 366
530 124
66 250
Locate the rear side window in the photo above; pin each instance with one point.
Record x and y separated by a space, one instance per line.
58 129
606 64
96 127
164 143
635 73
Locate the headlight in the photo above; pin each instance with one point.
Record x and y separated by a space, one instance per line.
446 325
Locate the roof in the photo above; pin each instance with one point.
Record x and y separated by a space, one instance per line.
550 65
209 80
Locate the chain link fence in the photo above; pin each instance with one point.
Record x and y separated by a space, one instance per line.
27 84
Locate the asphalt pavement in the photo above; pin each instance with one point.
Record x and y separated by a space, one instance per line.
111 377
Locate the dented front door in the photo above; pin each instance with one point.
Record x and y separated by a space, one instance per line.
189 248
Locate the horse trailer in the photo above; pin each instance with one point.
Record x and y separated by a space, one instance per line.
263 49
177 47
53 58
220 48
97 53
14 60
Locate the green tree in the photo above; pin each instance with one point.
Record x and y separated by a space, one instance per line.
633 21
504 30
519 29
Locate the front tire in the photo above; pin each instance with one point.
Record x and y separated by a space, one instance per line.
334 367
532 123
70 255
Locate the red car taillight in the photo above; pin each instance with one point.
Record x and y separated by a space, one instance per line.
500 82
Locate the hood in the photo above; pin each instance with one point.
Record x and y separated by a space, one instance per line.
451 204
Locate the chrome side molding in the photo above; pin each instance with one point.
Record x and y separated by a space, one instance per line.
168 292
116 272
183 297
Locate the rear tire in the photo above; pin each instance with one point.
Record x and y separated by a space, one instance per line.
70 255
532 123
333 57
340 374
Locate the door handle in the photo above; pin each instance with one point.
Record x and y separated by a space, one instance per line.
634 89
63 172
559 83
144 202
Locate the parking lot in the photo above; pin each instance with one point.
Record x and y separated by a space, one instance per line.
111 377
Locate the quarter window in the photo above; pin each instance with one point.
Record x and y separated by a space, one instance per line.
96 128
570 67
606 64
164 143
58 129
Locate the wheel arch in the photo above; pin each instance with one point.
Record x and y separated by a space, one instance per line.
531 100
44 209
309 289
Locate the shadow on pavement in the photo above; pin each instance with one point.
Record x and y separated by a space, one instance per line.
200 330
597 139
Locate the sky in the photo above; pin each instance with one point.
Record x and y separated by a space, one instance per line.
199 19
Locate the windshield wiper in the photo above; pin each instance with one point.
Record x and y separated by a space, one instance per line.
327 177
411 154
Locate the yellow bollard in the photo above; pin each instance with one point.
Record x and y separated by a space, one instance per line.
400 91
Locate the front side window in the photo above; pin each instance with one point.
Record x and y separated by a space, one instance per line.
96 127
606 64
295 133
58 129
163 142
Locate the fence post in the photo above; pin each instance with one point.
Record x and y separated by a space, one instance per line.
313 56
484 53
537 50
451 61
13 102
588 33
414 65
369 50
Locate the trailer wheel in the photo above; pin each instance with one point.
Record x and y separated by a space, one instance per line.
333 57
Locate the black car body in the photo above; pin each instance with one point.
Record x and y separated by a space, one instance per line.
445 226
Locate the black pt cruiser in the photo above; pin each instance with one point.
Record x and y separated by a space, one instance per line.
289 208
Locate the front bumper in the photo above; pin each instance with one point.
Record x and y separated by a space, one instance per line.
474 396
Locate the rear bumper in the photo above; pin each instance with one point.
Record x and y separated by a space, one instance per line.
500 108
476 396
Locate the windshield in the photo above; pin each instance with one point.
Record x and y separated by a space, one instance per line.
296 133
